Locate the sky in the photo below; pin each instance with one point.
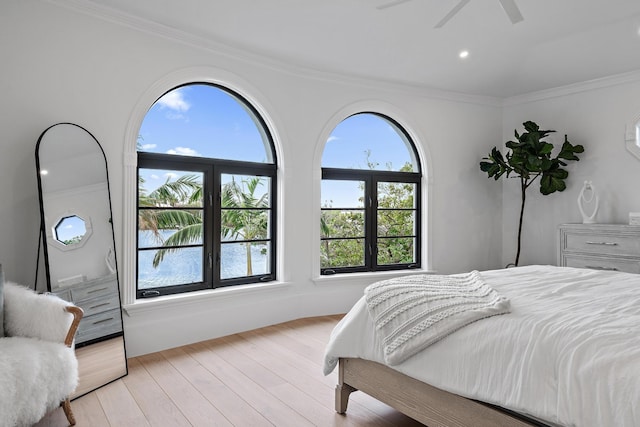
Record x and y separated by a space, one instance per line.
204 120
69 227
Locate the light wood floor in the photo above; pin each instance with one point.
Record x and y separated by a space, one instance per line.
267 377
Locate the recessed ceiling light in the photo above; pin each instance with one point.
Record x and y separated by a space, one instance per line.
463 54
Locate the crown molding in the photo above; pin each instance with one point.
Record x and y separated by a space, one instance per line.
586 86
309 71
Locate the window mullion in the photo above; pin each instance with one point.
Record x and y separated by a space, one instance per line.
216 220
371 223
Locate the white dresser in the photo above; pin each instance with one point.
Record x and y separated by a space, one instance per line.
100 300
614 247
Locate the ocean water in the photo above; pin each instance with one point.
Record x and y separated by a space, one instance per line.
185 266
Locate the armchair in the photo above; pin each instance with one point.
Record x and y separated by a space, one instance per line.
38 366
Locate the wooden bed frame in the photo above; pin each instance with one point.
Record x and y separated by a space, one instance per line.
420 401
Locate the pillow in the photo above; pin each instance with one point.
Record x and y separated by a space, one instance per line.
1 301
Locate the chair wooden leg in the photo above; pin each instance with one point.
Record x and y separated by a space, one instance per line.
66 407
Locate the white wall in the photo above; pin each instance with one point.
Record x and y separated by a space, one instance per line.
594 115
59 64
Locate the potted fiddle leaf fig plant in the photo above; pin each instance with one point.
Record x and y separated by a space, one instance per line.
528 158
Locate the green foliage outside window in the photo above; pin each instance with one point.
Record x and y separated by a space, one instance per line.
395 228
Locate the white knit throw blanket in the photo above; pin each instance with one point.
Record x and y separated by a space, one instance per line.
411 313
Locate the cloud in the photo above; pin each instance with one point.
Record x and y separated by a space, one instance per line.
175 101
171 175
183 151
332 138
148 146
154 176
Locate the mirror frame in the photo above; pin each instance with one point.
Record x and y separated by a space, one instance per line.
111 263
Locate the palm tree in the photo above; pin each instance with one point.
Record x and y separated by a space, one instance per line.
183 192
244 215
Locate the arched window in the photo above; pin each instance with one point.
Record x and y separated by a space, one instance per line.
206 193
370 197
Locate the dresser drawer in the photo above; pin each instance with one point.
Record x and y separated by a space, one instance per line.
94 290
601 263
99 325
601 243
98 305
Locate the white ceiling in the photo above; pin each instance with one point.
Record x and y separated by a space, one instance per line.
560 42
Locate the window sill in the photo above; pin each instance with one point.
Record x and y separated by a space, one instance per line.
141 306
367 276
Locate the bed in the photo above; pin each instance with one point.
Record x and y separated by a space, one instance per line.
566 354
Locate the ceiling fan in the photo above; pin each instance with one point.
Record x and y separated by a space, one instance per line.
509 7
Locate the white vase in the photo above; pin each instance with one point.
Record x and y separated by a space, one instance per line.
588 197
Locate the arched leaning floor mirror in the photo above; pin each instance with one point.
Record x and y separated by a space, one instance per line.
79 250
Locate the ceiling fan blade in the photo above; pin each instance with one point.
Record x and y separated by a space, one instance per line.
512 10
391 4
451 14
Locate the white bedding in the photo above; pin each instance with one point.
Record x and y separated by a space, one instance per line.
413 312
568 353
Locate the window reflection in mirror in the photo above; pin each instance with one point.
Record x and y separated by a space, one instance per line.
632 137
70 230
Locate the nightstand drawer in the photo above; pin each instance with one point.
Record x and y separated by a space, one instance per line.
602 244
601 263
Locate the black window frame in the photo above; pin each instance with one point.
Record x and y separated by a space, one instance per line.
371 179
213 169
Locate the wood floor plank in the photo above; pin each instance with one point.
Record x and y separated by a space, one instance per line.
235 409
318 330
89 412
270 342
119 406
270 407
273 382
198 410
156 405
301 346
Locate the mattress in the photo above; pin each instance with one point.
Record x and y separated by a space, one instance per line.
568 353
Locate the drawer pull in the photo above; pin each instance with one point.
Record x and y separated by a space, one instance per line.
99 305
595 267
104 289
103 320
602 243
